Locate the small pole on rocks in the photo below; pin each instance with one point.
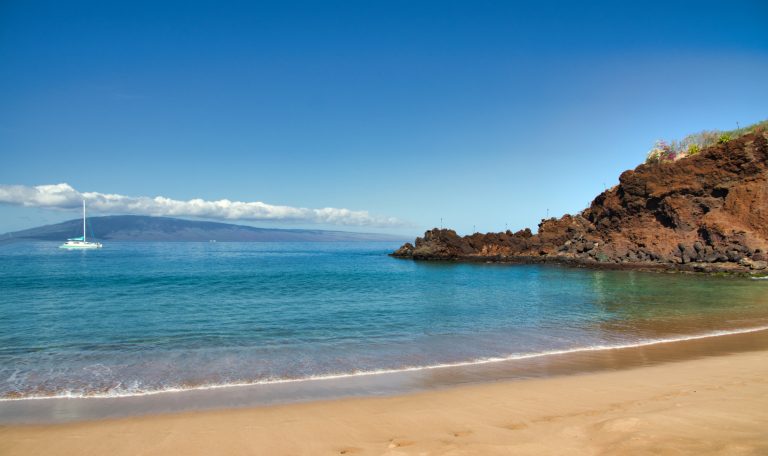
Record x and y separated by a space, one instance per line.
441 223
547 213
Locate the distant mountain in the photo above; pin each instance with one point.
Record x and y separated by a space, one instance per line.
144 228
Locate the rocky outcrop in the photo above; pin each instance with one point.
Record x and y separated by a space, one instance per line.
707 212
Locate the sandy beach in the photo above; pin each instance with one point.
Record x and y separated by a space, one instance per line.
715 405
423 228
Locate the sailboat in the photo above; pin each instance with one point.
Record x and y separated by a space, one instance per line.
80 242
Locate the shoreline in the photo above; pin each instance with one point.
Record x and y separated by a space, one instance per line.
402 382
406 369
711 403
729 269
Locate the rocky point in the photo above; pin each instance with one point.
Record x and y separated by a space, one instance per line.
707 212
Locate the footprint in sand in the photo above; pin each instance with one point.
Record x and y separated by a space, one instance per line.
397 443
461 433
516 426
620 424
350 450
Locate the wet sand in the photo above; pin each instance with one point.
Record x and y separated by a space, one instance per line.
686 403
58 410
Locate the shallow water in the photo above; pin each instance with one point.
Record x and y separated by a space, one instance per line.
134 318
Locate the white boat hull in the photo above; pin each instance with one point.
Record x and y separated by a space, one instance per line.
80 245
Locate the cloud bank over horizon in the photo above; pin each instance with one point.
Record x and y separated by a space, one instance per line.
63 196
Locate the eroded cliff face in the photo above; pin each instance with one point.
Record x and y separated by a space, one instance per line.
708 212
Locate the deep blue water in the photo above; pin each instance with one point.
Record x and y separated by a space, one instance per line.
136 317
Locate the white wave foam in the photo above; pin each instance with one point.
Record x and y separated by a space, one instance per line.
475 362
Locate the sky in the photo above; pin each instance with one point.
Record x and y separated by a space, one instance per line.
391 116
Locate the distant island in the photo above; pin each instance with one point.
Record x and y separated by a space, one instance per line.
146 228
700 204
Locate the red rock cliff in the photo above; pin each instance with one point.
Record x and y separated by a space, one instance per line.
706 212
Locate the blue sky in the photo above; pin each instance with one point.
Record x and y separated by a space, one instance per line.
484 114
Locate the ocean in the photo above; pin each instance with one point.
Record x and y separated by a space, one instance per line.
146 318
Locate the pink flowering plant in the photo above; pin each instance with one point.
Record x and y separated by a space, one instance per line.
661 151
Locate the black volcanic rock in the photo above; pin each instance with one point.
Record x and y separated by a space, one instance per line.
144 228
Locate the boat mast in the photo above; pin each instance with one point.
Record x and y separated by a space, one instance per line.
83 220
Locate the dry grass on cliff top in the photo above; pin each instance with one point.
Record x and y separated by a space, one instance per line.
664 151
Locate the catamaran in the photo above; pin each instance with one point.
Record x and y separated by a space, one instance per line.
80 242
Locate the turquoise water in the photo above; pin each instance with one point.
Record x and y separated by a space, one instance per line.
134 318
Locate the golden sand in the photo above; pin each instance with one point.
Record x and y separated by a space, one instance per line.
715 405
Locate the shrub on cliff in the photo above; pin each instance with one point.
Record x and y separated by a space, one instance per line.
724 138
661 151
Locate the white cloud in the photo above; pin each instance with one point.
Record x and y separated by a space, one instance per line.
63 196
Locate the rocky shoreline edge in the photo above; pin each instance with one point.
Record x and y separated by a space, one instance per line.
728 268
